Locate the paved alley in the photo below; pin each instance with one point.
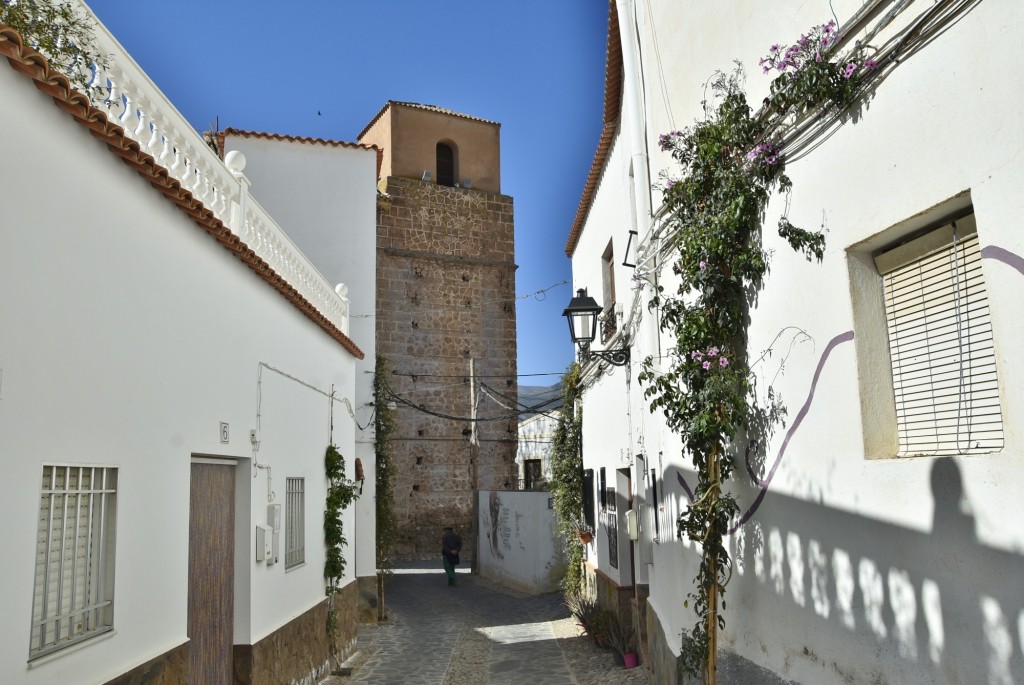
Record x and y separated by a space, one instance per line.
476 633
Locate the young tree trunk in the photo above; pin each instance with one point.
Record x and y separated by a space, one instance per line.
711 673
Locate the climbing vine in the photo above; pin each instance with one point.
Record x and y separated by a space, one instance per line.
384 427
341 493
63 32
567 479
729 164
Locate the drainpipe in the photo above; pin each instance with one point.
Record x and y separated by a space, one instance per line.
634 125
633 118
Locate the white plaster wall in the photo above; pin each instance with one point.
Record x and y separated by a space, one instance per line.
535 441
850 569
325 199
519 544
128 334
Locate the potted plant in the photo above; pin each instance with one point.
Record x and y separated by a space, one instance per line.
622 638
592 619
585 533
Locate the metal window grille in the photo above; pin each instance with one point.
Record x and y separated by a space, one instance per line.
73 596
940 344
295 522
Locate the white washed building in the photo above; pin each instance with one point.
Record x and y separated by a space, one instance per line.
864 553
167 364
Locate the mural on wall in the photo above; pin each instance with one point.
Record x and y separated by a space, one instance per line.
494 527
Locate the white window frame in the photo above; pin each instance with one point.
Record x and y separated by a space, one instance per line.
926 233
295 523
945 385
73 593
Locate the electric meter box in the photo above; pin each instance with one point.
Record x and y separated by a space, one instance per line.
274 524
264 538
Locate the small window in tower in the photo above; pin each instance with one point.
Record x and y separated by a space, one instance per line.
445 164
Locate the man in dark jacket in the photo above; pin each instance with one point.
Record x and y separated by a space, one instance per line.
451 544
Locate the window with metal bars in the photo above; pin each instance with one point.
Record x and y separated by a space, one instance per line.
295 522
73 595
941 344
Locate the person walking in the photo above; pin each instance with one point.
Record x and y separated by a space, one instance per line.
451 544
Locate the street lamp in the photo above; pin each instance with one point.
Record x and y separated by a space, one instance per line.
582 314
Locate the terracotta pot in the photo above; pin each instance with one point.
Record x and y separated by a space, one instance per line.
586 537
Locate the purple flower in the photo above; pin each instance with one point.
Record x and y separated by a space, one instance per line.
723 362
850 68
703 265
713 351
870 64
770 161
696 355
706 365
775 48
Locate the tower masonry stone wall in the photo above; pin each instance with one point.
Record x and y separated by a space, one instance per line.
445 296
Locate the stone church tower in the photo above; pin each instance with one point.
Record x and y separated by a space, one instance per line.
445 304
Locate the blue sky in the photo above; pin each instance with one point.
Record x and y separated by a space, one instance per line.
535 66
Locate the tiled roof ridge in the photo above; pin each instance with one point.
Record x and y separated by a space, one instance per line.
33 65
612 106
417 105
298 139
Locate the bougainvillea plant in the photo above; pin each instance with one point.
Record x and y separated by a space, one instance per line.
729 165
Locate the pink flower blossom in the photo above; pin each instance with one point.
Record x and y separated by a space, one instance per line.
706 365
850 68
713 351
703 265
723 362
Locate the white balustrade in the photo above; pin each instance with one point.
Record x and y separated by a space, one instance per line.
135 103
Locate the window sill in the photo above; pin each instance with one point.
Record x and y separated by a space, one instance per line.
70 649
296 567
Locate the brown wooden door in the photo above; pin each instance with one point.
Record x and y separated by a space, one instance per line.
211 562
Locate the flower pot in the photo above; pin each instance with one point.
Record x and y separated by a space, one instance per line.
586 537
630 659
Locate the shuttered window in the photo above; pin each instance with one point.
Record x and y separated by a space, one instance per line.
295 522
940 344
73 598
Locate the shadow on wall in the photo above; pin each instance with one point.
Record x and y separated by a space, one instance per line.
876 602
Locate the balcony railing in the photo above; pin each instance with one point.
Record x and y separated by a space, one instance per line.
149 118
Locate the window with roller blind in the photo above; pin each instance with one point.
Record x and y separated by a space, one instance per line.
940 344
73 597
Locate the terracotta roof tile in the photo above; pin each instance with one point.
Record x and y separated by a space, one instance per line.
33 65
299 139
428 108
612 107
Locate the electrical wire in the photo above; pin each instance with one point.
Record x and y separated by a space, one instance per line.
503 417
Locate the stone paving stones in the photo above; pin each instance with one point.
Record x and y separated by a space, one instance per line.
476 633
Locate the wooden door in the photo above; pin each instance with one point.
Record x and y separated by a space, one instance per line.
211 564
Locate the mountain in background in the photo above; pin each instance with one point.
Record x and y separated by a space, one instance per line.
544 397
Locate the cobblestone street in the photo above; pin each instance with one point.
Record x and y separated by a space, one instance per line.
476 633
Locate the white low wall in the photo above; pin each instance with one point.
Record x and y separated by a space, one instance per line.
519 545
